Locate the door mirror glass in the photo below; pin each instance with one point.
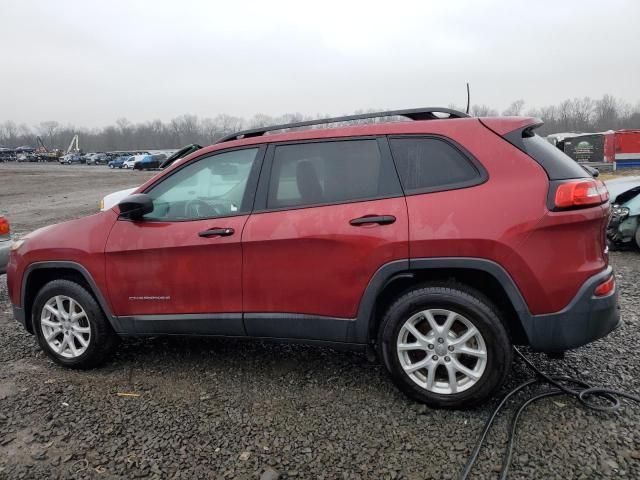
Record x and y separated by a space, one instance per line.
135 206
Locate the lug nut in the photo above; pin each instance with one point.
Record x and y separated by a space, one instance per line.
451 348
447 359
430 346
434 358
441 340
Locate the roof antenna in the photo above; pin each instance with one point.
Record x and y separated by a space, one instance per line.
468 98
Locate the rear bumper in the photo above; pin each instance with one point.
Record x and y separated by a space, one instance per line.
584 320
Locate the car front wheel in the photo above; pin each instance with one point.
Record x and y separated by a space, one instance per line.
445 346
71 327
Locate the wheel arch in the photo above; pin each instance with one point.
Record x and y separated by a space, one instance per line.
40 273
486 276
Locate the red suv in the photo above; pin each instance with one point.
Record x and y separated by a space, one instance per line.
439 242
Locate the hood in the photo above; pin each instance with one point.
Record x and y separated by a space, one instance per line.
621 185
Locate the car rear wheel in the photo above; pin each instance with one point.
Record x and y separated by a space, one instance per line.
445 346
71 327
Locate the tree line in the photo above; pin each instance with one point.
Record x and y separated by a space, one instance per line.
571 115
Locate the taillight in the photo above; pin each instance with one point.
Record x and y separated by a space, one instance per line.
580 193
4 226
605 287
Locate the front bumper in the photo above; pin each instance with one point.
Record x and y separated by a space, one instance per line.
584 320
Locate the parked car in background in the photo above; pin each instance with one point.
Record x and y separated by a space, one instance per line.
113 198
70 158
97 159
369 237
118 162
131 161
150 162
5 243
624 223
26 157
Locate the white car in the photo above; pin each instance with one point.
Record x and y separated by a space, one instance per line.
114 198
131 161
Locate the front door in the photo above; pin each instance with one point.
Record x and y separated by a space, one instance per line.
179 269
328 215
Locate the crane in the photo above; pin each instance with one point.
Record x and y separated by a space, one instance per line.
43 153
73 146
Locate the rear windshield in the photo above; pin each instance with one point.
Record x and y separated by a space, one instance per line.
556 163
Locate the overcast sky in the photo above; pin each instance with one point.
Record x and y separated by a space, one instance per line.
91 62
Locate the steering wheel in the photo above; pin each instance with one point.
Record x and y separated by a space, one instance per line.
197 208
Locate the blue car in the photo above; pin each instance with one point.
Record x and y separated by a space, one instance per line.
150 161
118 162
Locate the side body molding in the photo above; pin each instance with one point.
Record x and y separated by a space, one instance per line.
290 325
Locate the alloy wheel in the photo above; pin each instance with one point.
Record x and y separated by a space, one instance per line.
65 326
441 351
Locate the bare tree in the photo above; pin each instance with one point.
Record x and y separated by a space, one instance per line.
48 129
606 112
483 111
9 132
515 109
577 114
582 112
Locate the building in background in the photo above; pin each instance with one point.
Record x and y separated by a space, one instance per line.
620 148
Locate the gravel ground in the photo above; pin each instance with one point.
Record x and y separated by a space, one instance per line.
209 408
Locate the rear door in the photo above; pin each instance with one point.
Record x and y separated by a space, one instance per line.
328 215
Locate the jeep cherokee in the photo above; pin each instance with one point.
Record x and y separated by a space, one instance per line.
439 241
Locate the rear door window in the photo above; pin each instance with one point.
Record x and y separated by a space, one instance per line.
429 164
317 173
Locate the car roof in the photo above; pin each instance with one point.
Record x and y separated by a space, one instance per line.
429 126
506 124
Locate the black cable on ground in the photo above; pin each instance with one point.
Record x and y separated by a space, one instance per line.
588 396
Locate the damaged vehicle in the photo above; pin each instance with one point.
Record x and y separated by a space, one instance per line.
624 223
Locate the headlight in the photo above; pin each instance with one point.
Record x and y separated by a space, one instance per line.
623 211
17 244
618 211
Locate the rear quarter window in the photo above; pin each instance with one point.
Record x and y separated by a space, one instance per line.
557 164
427 164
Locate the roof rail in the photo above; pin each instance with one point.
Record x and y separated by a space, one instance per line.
428 113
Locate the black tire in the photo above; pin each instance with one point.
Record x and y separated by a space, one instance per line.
475 308
103 339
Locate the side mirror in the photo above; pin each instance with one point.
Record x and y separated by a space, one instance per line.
135 206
